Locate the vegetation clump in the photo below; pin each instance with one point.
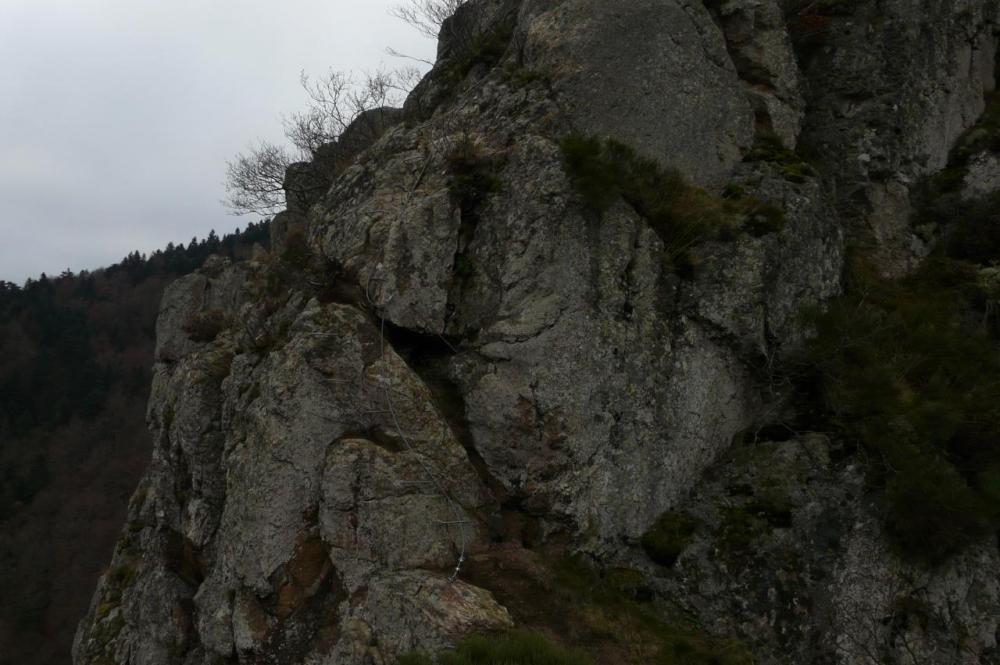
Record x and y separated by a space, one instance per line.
205 326
669 537
911 370
768 148
511 648
613 613
603 171
473 172
743 525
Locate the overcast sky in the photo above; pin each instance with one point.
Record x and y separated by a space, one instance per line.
117 116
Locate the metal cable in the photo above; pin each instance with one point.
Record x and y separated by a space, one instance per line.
433 478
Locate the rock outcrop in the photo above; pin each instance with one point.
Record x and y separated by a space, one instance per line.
467 358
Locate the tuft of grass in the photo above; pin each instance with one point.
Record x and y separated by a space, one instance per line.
768 148
123 576
205 326
743 525
473 172
612 612
215 367
519 76
604 171
669 537
757 217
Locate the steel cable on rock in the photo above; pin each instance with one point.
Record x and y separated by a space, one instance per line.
433 478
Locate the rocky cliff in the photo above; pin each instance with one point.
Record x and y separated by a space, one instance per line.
479 355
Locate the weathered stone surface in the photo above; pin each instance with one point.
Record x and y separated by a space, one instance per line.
277 505
983 176
394 227
500 351
790 551
189 297
757 37
892 85
412 609
673 93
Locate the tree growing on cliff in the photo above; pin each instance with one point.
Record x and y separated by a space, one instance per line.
427 16
255 178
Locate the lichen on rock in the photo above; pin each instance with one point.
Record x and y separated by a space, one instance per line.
449 357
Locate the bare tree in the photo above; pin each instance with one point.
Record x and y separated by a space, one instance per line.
338 99
254 179
426 15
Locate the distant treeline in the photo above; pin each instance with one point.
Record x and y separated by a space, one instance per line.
76 353
68 340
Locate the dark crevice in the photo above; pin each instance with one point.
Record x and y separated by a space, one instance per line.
182 558
308 621
420 350
473 177
428 356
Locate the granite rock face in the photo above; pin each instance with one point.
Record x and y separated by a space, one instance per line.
891 87
673 92
468 348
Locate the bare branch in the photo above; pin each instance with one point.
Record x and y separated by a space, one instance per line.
426 15
336 100
254 180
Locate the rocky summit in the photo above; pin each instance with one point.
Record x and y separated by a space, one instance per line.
540 350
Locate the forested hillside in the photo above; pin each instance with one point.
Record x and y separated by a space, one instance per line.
75 369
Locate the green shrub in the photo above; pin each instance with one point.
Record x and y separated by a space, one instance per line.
768 148
205 326
932 509
602 171
911 370
686 651
300 266
758 218
512 648
473 172
123 576
613 612
740 528
742 525
669 537
971 228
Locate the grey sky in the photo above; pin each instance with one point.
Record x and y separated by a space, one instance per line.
117 116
